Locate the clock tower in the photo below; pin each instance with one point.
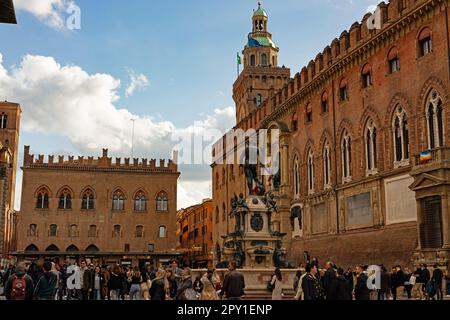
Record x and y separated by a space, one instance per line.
261 72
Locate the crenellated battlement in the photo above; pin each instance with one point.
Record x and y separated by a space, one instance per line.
103 162
338 52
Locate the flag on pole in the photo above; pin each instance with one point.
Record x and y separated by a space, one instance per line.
239 61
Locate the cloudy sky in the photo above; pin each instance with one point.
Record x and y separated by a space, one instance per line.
168 65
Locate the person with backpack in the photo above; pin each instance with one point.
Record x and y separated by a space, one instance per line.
19 285
46 285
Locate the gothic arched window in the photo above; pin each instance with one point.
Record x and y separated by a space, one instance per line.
435 120
65 199
346 157
252 60
118 201
310 172
296 177
371 148
140 201
264 60
326 165
87 200
162 202
401 137
42 199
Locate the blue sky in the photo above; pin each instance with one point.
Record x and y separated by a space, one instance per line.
186 50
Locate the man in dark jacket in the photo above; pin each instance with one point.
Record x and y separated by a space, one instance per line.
338 289
19 273
329 277
46 285
398 283
385 283
361 290
185 284
312 286
233 284
437 278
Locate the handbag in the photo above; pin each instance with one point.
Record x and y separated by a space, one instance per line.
270 285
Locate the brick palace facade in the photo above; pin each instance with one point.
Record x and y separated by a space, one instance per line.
110 211
355 127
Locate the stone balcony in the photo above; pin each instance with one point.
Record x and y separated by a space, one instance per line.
440 159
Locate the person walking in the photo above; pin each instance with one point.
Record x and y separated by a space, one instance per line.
299 288
385 284
437 278
136 280
145 284
417 290
86 280
398 283
312 286
58 279
98 284
426 276
328 277
277 285
233 284
171 285
198 285
19 285
158 288
209 282
46 286
447 281
115 284
338 289
362 292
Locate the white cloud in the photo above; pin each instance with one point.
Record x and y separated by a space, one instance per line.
66 100
137 82
49 11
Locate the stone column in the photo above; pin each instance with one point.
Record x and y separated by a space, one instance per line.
445 221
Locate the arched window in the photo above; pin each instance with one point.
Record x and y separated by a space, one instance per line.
224 212
92 232
371 148
52 248
32 248
326 166
294 124
346 157
393 60
258 100
264 60
140 201
217 182
42 199
435 120
325 105
162 232
309 113
310 172
92 248
118 201
32 231
162 202
401 137
53 230
424 42
139 231
117 231
252 60
87 200
3 121
72 248
366 76
296 177
65 200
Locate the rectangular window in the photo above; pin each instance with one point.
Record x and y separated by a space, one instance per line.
425 46
127 247
309 117
150 247
3 121
343 93
394 65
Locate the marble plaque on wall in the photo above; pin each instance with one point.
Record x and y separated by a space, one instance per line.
359 210
319 219
401 205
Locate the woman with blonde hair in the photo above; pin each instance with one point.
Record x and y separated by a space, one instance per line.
159 285
209 282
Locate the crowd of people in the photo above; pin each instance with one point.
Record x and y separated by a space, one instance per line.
333 283
87 281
